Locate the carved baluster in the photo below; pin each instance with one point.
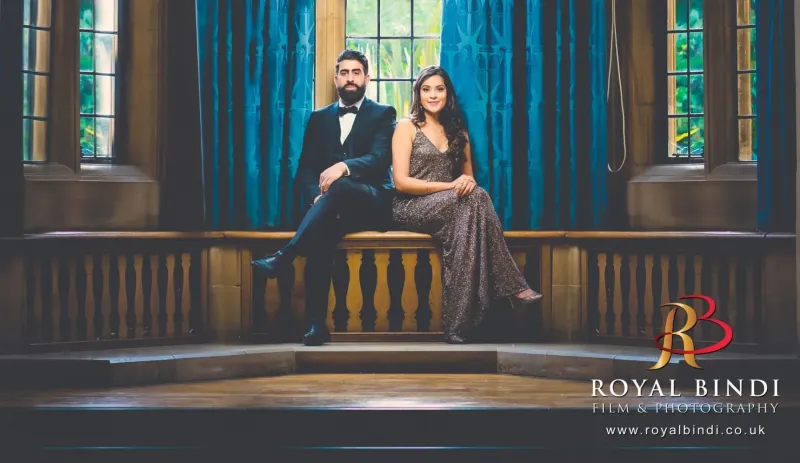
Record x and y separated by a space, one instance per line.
89 307
409 298
105 301
382 298
355 299
298 293
155 301
617 294
521 259
38 324
733 302
436 292
602 309
122 312
633 295
750 322
698 289
331 307
648 295
55 300
171 311
138 293
186 293
72 298
664 286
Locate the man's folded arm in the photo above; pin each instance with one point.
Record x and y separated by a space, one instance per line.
379 157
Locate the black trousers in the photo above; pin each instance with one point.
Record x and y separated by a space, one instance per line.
347 207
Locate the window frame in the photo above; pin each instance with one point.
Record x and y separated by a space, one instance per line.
720 101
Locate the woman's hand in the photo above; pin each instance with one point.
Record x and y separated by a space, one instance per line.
463 185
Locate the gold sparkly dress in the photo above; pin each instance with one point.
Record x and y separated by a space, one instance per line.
477 264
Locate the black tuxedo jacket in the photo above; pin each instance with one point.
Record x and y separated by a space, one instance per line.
367 151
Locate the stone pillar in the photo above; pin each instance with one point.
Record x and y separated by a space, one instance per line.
225 294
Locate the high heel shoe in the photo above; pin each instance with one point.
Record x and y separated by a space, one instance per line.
524 302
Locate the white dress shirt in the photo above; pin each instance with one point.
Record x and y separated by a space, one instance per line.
346 124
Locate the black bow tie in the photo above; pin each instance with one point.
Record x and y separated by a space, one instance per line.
350 109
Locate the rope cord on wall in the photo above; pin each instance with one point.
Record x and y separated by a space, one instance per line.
613 52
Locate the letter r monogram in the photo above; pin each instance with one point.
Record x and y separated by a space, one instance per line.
689 351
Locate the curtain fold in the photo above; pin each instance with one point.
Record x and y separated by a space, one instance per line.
477 47
775 78
255 63
563 89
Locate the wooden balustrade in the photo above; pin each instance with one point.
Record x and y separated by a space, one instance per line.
629 281
92 291
386 282
85 289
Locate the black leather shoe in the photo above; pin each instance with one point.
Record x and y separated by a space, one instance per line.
272 265
316 336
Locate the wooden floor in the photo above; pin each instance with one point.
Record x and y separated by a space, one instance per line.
363 391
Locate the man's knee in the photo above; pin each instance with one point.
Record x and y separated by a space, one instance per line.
344 186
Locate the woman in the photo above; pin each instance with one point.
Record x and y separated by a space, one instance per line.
437 194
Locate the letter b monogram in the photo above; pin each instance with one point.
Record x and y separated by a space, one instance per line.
689 351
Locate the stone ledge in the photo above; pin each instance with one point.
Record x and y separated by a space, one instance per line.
154 365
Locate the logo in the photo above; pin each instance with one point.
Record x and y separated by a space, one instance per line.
689 351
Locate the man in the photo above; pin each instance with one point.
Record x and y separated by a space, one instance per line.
343 176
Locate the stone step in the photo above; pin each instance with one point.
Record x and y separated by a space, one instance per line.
174 364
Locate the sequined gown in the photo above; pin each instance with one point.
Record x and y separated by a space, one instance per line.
477 266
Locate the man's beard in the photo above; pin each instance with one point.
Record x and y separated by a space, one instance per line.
350 96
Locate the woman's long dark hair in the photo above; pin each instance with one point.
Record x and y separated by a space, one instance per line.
451 118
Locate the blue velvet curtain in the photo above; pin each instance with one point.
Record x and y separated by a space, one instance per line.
538 126
775 78
255 61
477 47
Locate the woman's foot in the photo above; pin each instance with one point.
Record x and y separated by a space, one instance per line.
524 298
455 339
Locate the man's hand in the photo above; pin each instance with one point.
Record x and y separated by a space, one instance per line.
316 199
330 175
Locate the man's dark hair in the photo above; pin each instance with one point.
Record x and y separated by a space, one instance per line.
353 55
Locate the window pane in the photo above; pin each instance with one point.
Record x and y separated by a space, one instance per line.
87 51
104 136
678 52
105 53
747 101
698 137
36 38
746 12
361 18
87 136
87 94
105 15
746 49
34 93
399 38
695 51
99 21
397 94
87 14
395 59
426 53
696 14
37 13
368 47
696 94
36 50
748 140
747 94
395 18
427 18
685 86
677 11
104 95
